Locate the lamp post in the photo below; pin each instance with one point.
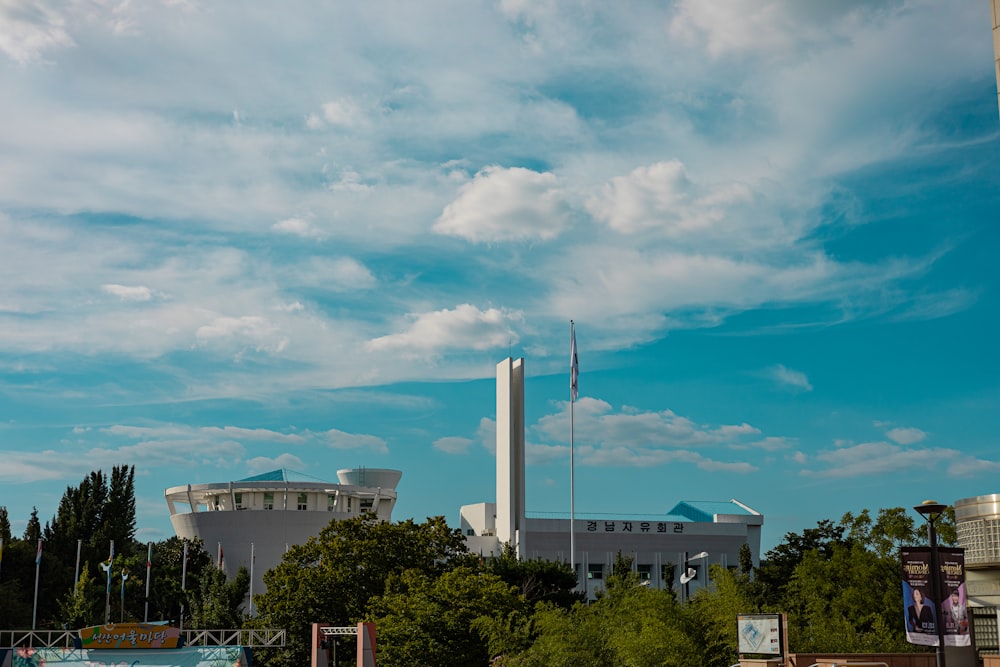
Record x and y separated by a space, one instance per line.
932 510
689 572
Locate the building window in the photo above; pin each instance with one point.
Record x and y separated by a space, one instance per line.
350 504
595 571
470 532
268 500
645 572
238 499
331 503
366 504
303 501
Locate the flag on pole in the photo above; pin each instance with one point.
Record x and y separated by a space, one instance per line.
574 365
38 555
124 579
221 561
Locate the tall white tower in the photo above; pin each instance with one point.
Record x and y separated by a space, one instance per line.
510 522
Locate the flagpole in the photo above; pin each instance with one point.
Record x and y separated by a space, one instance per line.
107 598
149 567
184 572
574 371
38 567
1 552
76 573
251 578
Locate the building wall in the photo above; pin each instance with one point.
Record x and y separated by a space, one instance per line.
977 522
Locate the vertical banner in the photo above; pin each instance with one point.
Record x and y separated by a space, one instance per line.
922 611
954 601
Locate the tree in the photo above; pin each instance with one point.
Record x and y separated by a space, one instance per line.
441 621
33 530
334 576
776 571
217 601
536 580
4 525
82 606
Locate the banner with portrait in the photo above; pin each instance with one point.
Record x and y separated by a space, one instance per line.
921 610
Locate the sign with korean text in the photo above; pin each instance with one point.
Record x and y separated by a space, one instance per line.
759 633
129 636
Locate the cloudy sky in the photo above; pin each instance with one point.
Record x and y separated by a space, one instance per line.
236 237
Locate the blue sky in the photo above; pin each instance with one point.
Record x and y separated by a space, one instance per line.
256 235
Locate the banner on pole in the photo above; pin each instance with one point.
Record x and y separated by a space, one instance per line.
922 611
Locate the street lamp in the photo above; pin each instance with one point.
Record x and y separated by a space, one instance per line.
932 511
689 572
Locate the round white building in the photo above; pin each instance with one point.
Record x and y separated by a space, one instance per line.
274 511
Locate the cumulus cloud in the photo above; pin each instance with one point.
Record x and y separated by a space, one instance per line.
297 227
635 438
499 204
464 327
343 440
453 445
662 197
786 377
247 331
129 293
906 436
876 458
260 464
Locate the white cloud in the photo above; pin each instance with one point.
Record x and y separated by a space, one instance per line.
29 29
487 434
877 458
787 377
906 436
661 197
297 227
514 204
260 464
464 327
342 440
453 445
600 423
129 293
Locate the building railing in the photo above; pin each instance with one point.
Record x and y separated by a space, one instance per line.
65 638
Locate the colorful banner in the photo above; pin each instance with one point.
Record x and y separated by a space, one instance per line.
195 656
922 611
129 636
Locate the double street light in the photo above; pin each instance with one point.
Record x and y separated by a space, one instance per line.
689 572
932 511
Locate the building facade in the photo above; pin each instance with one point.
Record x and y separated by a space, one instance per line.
697 533
274 511
977 521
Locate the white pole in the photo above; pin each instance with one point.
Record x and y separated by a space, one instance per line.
184 572
76 575
38 567
573 373
149 569
251 578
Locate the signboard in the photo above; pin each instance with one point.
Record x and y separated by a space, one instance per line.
922 611
759 633
129 636
194 656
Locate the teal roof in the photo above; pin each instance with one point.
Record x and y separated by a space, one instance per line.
705 510
283 475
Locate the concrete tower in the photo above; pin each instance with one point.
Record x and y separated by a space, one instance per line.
510 521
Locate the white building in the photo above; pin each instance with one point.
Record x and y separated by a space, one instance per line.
274 511
701 533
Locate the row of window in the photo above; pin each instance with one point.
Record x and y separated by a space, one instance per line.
302 502
645 572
